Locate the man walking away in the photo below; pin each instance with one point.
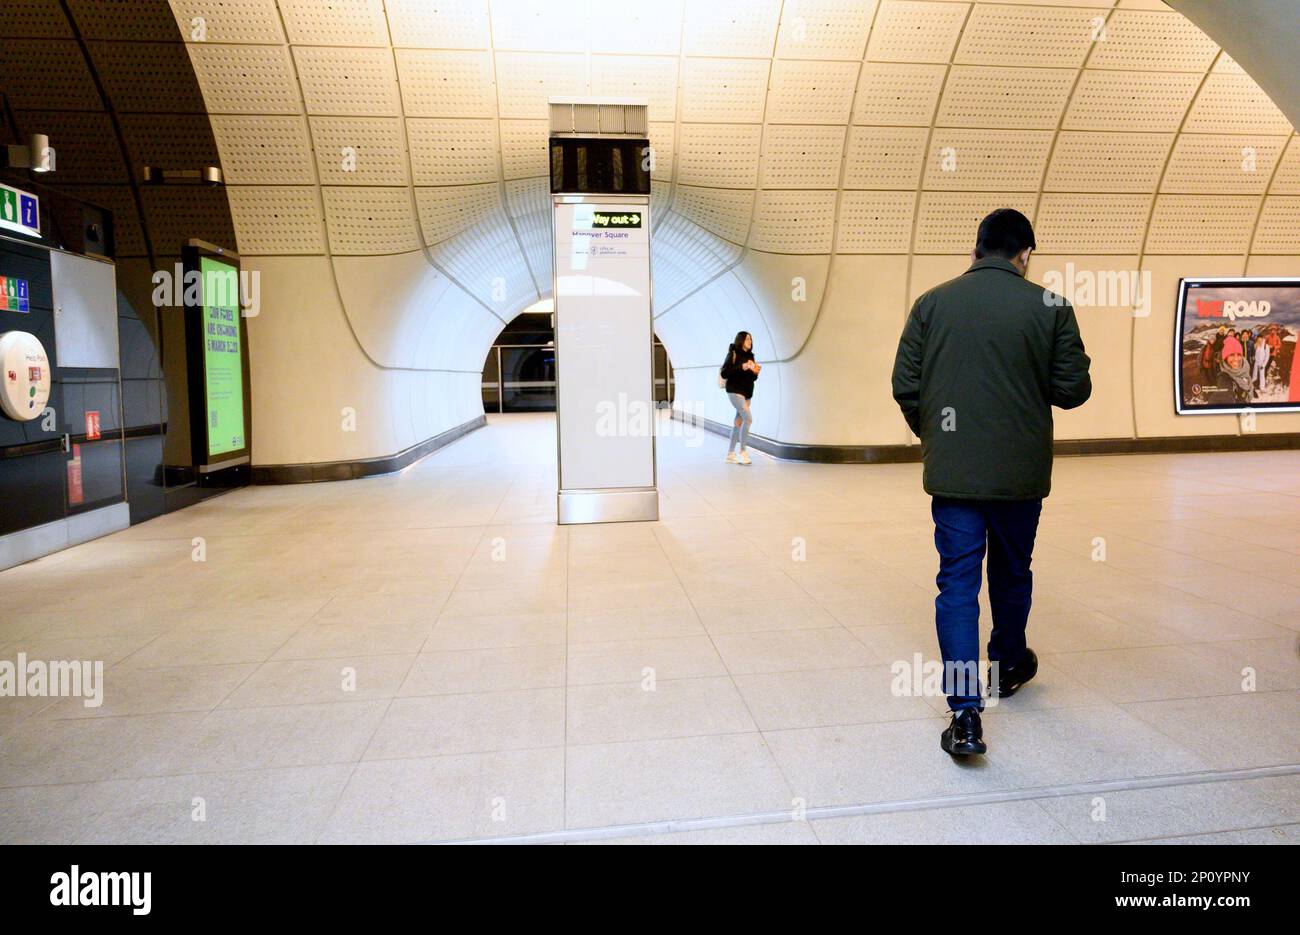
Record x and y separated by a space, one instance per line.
982 360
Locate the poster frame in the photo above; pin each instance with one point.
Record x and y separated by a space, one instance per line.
1180 313
191 256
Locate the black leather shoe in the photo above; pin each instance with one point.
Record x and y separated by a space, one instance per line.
965 735
1011 678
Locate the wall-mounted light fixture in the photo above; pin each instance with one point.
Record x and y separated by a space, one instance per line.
156 175
37 155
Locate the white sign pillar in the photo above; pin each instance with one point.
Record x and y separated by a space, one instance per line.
604 336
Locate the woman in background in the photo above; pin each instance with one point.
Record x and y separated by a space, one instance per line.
1259 367
738 373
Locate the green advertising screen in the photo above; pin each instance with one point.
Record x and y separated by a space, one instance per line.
223 371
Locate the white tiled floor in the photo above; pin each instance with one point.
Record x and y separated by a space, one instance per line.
427 657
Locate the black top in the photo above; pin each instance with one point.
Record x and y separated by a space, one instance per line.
982 361
738 380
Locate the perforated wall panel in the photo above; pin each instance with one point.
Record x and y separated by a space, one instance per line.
692 258
338 22
526 25
718 155
1086 224
793 222
724 91
453 152
635 28
450 24
247 21
802 157
97 19
990 97
523 148
35 19
1279 227
1125 100
246 79
146 78
986 160
885 157
446 212
39 74
525 81
1197 224
271 220
1027 36
892 94
359 82
359 150
915 31
1143 40
1234 104
811 92
370 220
661 196
946 221
446 83
1215 164
662 149
824 29
724 212
264 150
732 27
1286 180
529 197
875 222
1107 162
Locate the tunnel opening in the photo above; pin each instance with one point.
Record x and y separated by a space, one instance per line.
520 368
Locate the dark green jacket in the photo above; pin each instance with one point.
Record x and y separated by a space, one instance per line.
982 361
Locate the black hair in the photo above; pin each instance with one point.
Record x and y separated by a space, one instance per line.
739 343
1004 233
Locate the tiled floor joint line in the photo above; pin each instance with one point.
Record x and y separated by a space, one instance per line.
669 826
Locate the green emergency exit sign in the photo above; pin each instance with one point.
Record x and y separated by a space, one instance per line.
615 219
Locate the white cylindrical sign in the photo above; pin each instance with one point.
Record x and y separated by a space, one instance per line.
25 374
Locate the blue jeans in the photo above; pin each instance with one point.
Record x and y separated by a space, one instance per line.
740 427
963 531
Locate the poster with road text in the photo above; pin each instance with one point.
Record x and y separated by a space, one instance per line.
1237 346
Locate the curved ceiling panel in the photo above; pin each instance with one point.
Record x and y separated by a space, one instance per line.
818 127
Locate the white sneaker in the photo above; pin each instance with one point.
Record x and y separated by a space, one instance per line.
731 458
743 457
